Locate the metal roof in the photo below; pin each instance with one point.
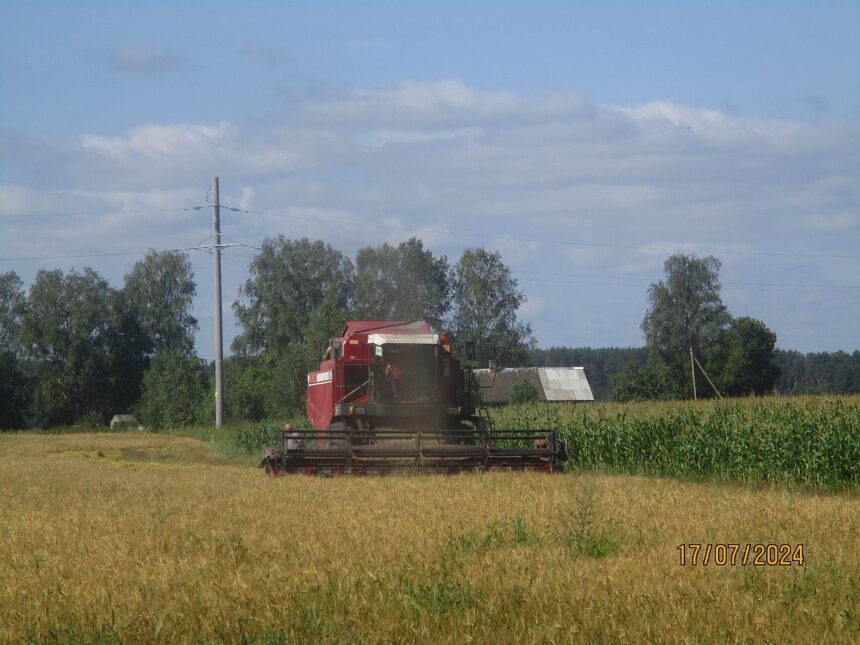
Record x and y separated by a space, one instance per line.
551 383
565 384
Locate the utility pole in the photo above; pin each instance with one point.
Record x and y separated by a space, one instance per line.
710 382
693 373
219 338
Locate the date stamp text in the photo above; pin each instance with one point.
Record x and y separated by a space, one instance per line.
732 555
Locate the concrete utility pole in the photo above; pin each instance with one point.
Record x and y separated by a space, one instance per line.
219 339
693 373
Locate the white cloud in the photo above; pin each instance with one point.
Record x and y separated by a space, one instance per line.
155 141
380 138
137 200
678 115
614 188
20 200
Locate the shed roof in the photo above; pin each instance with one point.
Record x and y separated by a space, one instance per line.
565 384
551 383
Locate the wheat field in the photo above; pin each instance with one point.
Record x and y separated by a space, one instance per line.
144 537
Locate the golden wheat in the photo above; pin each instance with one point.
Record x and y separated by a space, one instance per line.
142 537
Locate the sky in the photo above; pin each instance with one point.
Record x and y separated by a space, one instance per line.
584 141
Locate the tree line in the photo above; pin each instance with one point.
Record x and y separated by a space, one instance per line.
73 349
818 372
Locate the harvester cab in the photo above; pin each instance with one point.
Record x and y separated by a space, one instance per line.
391 395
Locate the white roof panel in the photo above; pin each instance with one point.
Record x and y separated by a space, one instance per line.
565 384
403 339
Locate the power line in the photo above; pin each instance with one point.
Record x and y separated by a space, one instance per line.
459 234
725 287
110 254
511 238
640 281
71 257
98 213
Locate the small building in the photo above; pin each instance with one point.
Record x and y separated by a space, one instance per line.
124 420
556 384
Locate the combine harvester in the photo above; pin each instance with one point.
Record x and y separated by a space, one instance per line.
390 396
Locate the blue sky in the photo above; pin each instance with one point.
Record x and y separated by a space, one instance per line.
585 141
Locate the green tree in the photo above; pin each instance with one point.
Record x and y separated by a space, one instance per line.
289 281
375 292
158 291
296 299
249 378
15 392
284 373
129 352
175 391
325 322
402 283
66 330
685 310
742 359
14 386
486 299
11 305
651 381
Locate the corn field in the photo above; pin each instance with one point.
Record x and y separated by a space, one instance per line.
813 441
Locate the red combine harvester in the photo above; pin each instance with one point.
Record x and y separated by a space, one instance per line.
389 396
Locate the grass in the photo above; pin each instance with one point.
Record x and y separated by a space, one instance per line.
139 537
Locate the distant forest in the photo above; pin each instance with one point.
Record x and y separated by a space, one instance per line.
812 373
